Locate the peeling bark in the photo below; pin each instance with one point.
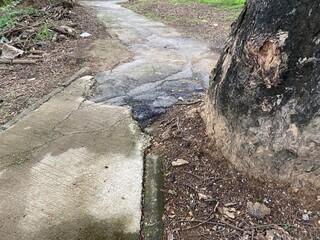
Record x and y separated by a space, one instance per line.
262 105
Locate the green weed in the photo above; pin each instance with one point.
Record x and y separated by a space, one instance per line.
9 16
44 33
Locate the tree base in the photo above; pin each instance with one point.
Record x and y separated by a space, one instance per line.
256 151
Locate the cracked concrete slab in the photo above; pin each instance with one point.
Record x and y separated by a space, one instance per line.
72 169
162 55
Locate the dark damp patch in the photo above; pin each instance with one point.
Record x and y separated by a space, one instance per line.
88 228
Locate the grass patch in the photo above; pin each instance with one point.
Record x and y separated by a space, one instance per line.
226 4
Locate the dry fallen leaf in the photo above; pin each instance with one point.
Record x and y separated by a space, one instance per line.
228 212
202 196
179 162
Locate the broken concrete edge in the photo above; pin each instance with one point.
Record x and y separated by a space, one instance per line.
81 73
153 199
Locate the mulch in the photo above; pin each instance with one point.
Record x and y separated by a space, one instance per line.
22 85
208 198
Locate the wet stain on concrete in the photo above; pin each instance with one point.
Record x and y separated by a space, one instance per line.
167 68
88 228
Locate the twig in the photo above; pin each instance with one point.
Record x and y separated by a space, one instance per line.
201 223
178 123
189 103
169 122
193 188
221 223
215 207
35 56
33 51
192 174
272 225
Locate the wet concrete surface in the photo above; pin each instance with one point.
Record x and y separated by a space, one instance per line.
72 170
167 67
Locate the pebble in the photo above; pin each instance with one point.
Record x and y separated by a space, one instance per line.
85 35
305 217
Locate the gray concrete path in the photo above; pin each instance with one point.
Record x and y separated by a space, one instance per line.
73 168
166 67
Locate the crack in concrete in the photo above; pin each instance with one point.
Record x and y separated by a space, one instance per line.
69 115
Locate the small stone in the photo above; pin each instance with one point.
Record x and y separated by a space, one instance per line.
216 25
258 210
179 162
305 217
85 35
295 189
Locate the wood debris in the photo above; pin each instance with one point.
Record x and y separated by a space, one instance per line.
36 29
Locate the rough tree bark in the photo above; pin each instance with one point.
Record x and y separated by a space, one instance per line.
262 105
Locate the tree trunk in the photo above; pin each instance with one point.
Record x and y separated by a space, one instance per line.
262 105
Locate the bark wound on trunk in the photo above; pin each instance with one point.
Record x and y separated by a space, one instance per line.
262 106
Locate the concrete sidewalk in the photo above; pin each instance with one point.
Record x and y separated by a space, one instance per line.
72 169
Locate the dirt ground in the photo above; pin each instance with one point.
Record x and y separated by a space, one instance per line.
201 21
22 85
207 198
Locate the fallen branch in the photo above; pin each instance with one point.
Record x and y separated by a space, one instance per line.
33 51
18 61
35 56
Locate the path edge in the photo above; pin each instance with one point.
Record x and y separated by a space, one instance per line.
153 199
81 73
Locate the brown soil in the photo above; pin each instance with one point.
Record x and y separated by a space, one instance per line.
200 195
22 85
207 198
